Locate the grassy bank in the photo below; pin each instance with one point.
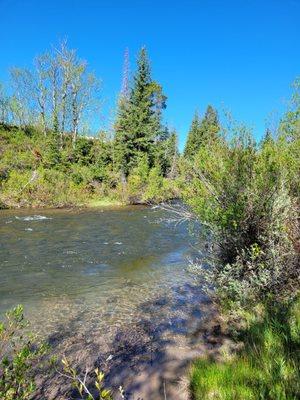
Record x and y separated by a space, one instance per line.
268 366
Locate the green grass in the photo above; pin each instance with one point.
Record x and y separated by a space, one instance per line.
268 368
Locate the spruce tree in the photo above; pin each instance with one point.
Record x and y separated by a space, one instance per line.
138 122
121 126
194 137
122 146
142 116
202 132
210 124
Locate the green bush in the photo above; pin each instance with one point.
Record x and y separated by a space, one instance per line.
20 355
244 197
42 187
94 391
247 199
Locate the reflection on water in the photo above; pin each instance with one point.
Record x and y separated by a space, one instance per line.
94 267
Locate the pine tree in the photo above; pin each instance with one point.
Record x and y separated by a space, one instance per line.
122 146
194 137
172 155
202 132
142 115
210 124
138 123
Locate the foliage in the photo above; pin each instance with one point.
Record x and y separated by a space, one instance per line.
244 197
268 366
166 155
36 188
19 356
36 171
98 391
202 132
41 144
56 95
147 185
155 184
138 124
247 198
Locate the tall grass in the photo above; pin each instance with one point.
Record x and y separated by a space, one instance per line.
268 367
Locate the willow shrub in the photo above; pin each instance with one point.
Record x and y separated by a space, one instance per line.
147 185
245 198
42 187
20 355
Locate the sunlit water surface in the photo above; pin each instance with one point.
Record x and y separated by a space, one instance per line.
89 269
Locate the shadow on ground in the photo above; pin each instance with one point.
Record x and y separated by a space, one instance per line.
148 358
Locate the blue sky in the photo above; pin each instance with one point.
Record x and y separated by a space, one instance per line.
238 55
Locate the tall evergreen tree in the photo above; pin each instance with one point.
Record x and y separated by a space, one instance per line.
138 121
202 132
141 110
122 135
194 137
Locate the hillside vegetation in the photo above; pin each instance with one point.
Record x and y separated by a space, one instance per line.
36 172
49 157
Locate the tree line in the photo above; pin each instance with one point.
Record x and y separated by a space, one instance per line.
61 95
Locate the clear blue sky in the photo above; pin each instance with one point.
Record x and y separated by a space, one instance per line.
241 55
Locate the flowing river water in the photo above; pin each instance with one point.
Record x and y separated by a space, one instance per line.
102 286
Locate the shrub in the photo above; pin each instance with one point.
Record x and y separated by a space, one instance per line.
93 391
42 187
154 189
19 356
244 199
247 199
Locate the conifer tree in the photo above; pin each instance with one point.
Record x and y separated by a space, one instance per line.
122 135
194 137
210 124
138 121
121 126
172 155
202 132
142 117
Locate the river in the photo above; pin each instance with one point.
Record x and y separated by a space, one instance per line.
96 278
